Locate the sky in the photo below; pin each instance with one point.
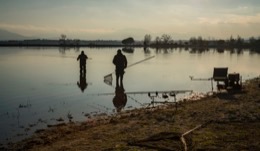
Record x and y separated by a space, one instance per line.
119 19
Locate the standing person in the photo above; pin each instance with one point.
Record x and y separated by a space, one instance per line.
120 62
82 62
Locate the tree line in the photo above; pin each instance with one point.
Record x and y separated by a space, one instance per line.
163 41
166 41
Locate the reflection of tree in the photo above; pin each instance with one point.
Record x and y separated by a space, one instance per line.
63 50
239 51
220 50
76 49
198 50
163 50
128 49
147 50
254 51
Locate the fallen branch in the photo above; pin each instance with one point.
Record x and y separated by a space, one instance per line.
190 131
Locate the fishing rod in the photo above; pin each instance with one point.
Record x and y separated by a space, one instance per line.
140 61
203 79
135 100
171 92
200 79
72 57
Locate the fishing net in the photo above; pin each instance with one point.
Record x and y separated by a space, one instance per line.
108 79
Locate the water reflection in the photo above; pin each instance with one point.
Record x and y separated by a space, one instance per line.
199 50
63 50
51 101
82 83
120 97
237 51
147 50
128 49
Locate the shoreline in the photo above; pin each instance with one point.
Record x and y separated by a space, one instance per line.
213 119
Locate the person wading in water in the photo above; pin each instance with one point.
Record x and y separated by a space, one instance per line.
82 62
120 62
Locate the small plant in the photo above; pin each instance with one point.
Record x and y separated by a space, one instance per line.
27 105
51 109
60 119
69 116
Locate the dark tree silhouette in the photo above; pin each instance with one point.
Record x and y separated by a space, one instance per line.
231 41
63 39
128 41
166 39
147 39
157 40
240 41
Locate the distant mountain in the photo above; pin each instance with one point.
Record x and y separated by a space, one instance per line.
7 35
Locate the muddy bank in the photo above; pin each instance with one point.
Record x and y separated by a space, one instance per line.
223 121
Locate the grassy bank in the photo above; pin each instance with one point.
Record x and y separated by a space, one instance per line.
223 121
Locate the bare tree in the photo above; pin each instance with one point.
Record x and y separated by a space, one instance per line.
158 40
239 41
63 39
166 38
147 39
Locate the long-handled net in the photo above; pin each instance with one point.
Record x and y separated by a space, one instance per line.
108 79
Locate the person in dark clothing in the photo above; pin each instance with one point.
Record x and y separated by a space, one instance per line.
120 62
82 62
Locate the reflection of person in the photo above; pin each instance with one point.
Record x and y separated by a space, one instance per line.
82 83
82 61
120 98
120 62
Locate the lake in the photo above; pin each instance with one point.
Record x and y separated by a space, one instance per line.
39 84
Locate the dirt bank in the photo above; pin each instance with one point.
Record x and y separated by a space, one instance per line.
223 121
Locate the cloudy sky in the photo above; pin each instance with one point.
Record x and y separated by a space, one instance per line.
118 19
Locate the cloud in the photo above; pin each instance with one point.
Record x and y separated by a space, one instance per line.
231 19
117 18
52 31
17 27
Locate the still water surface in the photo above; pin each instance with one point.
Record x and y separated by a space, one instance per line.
39 85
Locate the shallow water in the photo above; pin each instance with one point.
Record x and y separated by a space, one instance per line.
39 85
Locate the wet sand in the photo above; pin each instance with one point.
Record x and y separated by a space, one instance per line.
222 121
